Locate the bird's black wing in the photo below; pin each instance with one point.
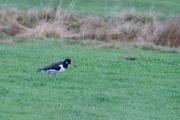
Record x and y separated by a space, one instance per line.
54 66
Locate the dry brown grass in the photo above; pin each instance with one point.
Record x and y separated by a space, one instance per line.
127 26
163 33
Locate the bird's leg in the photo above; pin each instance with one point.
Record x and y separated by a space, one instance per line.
54 75
49 75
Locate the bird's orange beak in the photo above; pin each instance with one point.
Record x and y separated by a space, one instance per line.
73 64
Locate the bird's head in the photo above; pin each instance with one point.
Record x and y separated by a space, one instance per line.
67 61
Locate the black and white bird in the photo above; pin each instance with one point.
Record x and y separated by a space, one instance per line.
57 67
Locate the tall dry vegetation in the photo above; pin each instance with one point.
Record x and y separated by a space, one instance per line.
127 26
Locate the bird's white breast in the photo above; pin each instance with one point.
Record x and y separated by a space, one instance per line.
62 68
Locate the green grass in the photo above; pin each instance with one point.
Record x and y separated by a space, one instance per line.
168 7
103 86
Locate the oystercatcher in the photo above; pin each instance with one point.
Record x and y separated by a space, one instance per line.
57 67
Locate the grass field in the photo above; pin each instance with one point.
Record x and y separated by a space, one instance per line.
103 85
168 7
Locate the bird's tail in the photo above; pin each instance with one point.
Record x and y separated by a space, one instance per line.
39 70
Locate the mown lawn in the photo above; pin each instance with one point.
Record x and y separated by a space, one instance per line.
168 7
102 86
